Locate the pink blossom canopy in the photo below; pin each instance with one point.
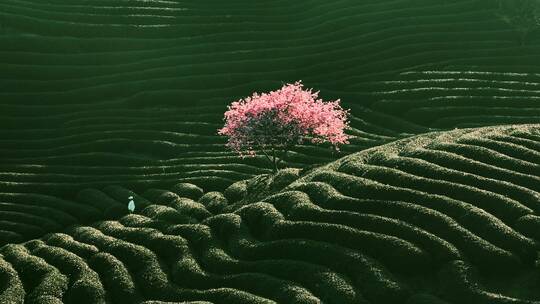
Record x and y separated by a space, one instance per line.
283 117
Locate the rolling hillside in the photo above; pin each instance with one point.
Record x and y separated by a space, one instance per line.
446 217
435 200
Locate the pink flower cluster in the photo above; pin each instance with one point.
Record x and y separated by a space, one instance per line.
284 117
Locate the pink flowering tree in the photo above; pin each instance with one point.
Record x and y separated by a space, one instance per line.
274 122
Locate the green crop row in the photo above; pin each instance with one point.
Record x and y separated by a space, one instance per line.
481 252
474 166
420 167
475 219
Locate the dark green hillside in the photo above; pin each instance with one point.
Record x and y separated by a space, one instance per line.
102 99
438 218
130 93
453 98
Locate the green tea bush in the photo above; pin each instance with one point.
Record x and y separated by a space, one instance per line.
441 250
426 169
517 152
11 288
478 221
198 235
187 272
484 254
323 282
287 202
67 242
188 190
224 226
115 277
167 246
501 206
490 157
210 183
191 208
167 214
373 280
85 285
260 218
460 283
236 191
283 178
40 279
397 254
214 201
160 196
141 262
137 220
464 164
256 283
183 205
529 225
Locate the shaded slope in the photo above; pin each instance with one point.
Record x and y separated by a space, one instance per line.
438 218
131 93
456 98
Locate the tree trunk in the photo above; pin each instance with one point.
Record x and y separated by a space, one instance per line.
275 168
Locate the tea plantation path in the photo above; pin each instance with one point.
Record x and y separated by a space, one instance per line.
100 100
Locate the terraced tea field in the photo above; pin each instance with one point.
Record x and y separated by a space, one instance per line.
436 199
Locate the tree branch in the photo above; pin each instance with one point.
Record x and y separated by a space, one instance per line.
262 149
